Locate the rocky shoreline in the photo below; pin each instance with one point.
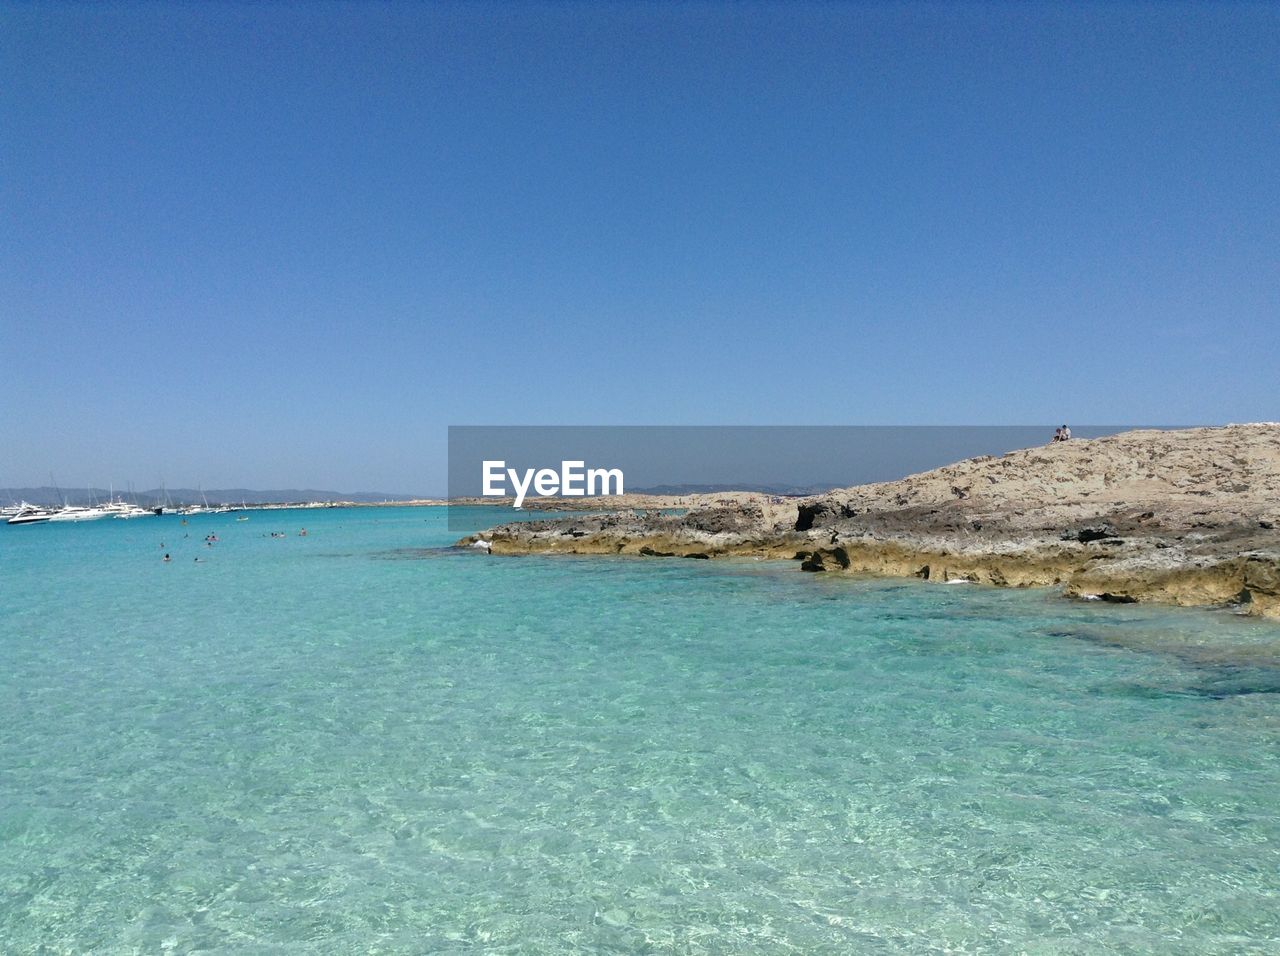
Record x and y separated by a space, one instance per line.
1186 517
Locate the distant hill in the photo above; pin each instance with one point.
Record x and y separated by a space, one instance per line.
180 496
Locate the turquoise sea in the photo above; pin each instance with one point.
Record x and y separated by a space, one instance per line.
360 741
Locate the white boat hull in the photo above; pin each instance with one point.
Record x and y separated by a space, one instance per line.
29 519
80 514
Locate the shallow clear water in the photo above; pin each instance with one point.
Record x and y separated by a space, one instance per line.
354 742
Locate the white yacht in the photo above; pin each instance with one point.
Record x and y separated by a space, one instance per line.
78 513
30 514
125 509
197 509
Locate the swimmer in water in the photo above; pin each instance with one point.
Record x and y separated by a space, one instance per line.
166 558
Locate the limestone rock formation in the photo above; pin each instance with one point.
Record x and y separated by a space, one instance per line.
1186 516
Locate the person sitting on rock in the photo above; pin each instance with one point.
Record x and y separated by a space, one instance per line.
1057 435
1066 433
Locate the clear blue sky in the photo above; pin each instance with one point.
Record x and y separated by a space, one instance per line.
275 245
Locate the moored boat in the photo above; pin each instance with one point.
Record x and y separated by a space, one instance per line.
125 509
78 513
30 514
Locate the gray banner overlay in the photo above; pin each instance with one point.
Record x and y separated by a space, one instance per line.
690 459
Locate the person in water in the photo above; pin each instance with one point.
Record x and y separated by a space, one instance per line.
166 557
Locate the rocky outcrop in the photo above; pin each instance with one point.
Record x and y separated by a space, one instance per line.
1183 517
